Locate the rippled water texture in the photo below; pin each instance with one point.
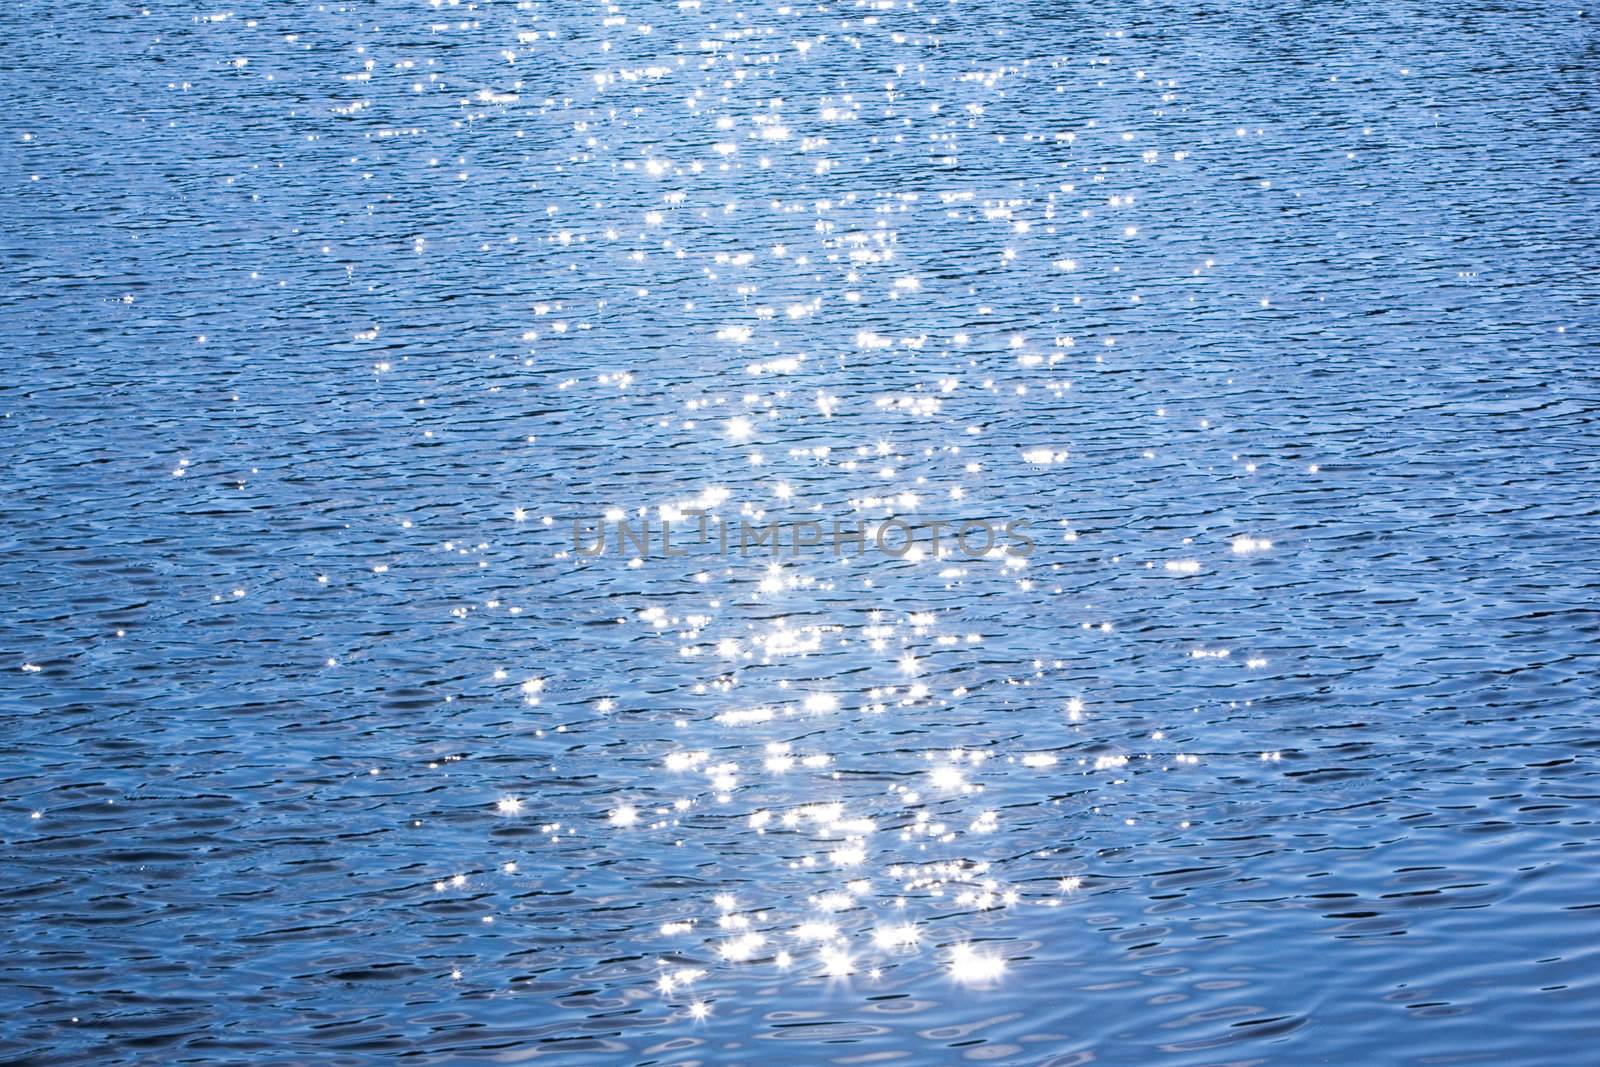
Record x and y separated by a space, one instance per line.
324 321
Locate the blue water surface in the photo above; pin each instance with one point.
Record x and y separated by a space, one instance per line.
1273 322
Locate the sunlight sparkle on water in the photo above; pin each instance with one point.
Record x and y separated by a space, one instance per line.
973 967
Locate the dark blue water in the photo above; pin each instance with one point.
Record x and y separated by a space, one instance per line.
318 743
